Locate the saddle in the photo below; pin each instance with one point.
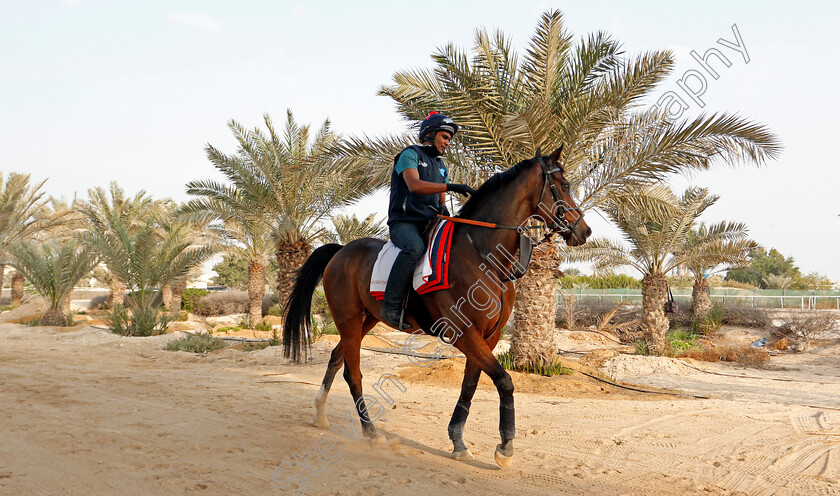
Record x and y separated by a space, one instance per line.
431 272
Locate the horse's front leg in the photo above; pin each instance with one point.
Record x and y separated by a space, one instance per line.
462 410
478 351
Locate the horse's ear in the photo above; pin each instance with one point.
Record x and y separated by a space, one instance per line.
538 154
556 155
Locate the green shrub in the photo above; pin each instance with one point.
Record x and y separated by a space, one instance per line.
711 323
275 338
642 347
196 343
681 340
263 326
539 367
190 298
275 310
118 320
140 322
229 328
3 308
327 327
182 316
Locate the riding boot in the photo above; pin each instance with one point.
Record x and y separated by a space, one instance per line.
396 291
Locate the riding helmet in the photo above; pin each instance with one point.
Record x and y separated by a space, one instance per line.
435 122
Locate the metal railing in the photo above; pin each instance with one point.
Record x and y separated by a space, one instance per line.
808 301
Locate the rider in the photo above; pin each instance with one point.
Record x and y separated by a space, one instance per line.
418 182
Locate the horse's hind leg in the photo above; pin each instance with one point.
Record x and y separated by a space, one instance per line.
336 360
462 409
351 336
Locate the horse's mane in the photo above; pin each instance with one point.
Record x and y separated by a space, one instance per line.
492 185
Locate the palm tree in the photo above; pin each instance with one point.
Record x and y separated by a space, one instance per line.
53 268
723 246
296 180
560 91
657 225
242 229
104 210
145 258
23 213
195 230
349 227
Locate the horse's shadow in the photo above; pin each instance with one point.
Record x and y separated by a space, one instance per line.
411 443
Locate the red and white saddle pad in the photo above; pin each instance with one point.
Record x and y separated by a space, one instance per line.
432 271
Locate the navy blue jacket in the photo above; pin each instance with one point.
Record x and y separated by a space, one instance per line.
405 206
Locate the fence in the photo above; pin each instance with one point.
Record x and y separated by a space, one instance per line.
760 298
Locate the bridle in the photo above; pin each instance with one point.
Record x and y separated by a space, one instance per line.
552 223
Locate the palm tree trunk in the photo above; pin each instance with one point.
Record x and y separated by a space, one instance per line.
117 296
701 297
18 282
53 317
166 296
654 322
65 305
177 292
2 276
533 338
256 290
290 256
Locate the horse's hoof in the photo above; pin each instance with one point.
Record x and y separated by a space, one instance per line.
321 422
502 460
463 455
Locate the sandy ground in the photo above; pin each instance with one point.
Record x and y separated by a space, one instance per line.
86 412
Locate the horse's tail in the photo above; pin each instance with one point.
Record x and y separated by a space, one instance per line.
297 326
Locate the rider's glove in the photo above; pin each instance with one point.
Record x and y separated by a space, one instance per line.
460 188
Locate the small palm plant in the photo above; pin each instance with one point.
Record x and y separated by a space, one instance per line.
53 268
656 224
103 210
145 258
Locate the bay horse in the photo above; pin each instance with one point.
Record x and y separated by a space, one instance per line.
499 212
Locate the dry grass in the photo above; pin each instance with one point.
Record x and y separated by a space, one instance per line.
756 318
804 327
223 303
742 354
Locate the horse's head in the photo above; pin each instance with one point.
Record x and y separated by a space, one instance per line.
556 205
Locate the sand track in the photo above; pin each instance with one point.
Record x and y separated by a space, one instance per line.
86 412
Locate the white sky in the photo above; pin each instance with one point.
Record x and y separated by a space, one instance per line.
93 91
